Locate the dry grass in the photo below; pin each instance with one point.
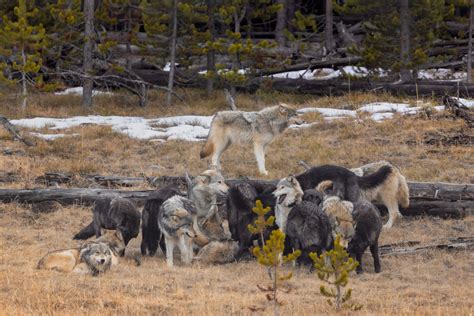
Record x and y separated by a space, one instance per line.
434 282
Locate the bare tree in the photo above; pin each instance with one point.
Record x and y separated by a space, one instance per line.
329 26
88 37
211 55
469 51
174 22
281 23
405 74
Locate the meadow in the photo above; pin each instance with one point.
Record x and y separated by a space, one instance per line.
434 282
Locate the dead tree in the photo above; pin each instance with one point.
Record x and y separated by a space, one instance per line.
405 74
89 36
13 131
172 51
459 110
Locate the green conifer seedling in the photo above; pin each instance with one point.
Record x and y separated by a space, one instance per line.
333 267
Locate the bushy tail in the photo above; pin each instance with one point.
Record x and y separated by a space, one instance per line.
85 233
375 179
403 193
207 149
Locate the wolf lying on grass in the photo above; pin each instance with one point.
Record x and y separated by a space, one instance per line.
93 257
258 128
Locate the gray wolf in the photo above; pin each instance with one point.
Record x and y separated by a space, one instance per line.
392 192
93 258
288 193
113 239
150 230
175 220
113 213
241 199
237 127
218 252
367 232
308 228
359 224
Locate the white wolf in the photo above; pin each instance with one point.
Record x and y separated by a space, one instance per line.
258 128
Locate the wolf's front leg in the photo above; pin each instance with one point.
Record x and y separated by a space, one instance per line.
259 150
169 251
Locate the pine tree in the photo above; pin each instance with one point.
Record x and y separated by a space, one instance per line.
333 267
22 43
382 45
271 256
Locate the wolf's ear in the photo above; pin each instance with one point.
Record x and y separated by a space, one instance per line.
119 235
292 179
283 108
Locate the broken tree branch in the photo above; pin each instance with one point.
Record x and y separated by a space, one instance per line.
411 247
14 131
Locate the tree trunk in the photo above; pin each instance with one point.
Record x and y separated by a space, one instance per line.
329 39
173 52
405 74
281 23
211 54
89 35
469 51
24 92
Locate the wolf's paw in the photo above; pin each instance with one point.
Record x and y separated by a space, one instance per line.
263 173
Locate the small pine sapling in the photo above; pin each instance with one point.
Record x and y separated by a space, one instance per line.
271 256
333 267
261 223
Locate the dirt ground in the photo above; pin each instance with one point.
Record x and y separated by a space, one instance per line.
434 282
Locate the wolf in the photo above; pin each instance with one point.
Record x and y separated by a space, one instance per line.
175 220
258 128
241 199
113 213
359 224
150 230
392 192
385 184
218 252
308 228
113 239
93 258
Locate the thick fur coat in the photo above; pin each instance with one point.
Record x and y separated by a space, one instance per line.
237 127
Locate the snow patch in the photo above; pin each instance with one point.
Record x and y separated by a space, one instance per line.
78 91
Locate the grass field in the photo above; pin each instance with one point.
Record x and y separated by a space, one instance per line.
435 282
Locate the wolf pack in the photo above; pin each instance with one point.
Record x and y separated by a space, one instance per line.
208 223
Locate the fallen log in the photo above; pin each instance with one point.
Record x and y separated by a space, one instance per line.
412 247
459 110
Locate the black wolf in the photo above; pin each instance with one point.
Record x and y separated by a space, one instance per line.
113 213
150 231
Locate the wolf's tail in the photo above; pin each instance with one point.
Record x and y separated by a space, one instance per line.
208 148
85 233
403 193
375 179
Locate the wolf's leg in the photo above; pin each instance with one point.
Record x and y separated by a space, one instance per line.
186 249
96 220
393 212
374 249
259 151
169 251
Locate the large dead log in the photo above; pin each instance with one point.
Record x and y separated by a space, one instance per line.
412 247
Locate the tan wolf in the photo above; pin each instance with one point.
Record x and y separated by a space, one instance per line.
238 127
392 192
92 258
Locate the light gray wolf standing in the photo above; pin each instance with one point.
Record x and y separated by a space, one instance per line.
92 258
391 192
258 128
175 220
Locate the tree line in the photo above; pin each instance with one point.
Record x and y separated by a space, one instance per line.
145 44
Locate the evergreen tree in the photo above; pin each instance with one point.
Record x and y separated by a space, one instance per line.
22 44
382 45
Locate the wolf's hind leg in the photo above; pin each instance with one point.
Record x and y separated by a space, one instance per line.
393 212
216 155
